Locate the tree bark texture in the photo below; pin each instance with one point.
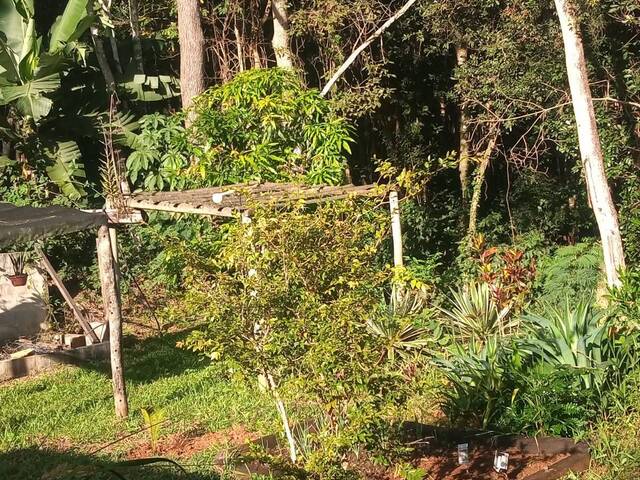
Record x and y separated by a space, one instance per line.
478 182
463 126
103 61
134 17
280 40
589 141
191 41
112 314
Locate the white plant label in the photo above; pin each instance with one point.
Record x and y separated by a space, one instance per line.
463 454
501 461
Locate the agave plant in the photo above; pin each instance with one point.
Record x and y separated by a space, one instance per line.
395 327
474 315
572 336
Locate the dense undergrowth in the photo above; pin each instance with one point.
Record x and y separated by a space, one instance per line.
500 318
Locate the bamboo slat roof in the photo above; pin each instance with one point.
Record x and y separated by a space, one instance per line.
230 200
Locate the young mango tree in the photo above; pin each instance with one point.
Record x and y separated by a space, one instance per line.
262 125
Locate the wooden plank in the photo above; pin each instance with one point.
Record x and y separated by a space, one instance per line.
77 312
113 314
199 201
209 211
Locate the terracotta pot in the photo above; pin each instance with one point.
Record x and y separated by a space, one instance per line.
18 280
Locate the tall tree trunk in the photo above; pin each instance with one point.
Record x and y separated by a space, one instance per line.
589 140
239 45
463 142
103 61
134 17
191 51
280 40
478 182
115 52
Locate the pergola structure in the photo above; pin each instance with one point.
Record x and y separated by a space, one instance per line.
231 200
19 224
239 199
25 224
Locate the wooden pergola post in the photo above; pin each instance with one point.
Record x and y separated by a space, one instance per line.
113 314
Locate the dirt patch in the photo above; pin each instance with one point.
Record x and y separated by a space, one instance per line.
186 445
521 466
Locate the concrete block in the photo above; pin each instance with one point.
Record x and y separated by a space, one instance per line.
73 340
33 364
22 353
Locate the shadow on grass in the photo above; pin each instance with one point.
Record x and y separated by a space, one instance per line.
45 464
153 358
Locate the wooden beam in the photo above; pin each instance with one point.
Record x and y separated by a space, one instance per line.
113 314
77 312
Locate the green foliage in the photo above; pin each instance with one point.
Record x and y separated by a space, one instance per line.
614 443
296 296
574 336
579 337
549 401
31 77
153 420
409 472
474 316
573 271
625 300
160 152
478 382
264 124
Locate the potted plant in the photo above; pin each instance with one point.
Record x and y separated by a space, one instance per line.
18 262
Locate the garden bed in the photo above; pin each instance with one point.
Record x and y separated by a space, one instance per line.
436 454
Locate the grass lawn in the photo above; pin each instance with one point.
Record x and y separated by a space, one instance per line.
62 416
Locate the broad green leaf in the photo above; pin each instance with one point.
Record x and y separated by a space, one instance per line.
29 98
66 25
17 38
66 171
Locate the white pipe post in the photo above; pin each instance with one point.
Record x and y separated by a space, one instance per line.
396 229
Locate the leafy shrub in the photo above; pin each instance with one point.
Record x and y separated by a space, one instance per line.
548 401
614 440
508 270
263 124
573 337
288 300
625 300
479 384
572 271
583 339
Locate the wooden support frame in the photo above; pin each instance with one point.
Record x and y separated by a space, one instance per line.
113 314
77 311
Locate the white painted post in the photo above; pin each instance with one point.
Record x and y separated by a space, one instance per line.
396 229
